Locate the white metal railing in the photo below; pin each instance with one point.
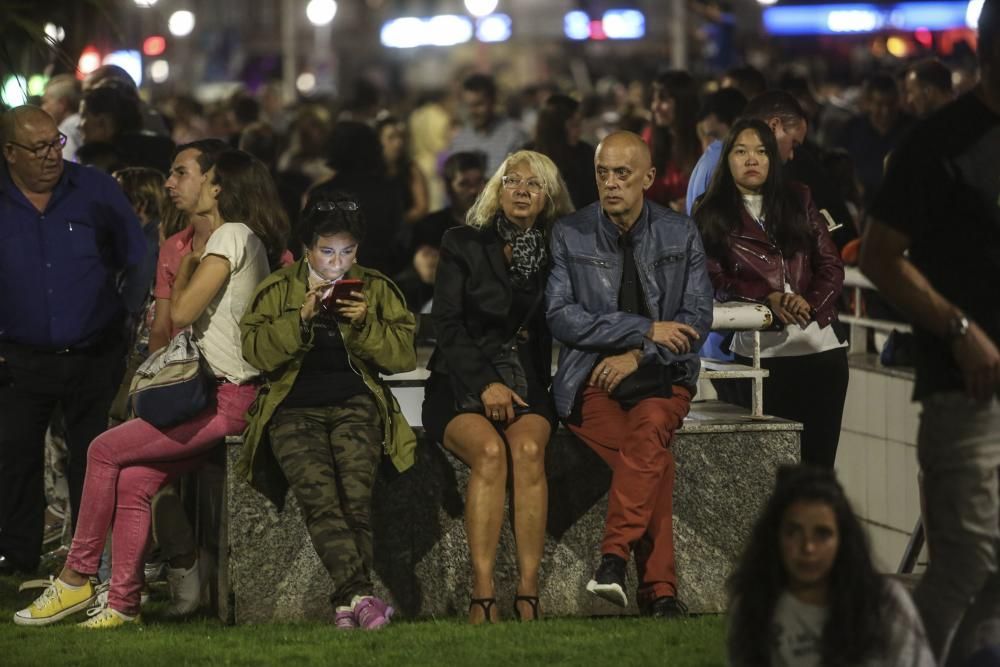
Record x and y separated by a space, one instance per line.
854 279
741 316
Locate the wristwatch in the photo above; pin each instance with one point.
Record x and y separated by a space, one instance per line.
958 326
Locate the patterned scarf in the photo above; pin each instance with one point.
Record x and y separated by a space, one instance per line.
527 250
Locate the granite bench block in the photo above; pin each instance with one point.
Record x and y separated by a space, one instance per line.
270 571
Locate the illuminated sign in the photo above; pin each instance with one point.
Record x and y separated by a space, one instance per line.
864 18
614 24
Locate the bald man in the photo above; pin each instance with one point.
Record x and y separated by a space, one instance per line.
67 233
630 300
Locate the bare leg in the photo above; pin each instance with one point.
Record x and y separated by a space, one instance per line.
474 440
527 438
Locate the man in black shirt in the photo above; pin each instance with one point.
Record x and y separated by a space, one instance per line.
933 248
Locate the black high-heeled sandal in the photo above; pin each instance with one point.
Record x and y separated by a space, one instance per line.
486 604
532 600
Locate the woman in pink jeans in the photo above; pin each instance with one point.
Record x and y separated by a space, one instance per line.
128 464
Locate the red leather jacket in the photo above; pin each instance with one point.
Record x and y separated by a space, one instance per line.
753 266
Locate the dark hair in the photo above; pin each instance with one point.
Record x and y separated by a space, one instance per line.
748 79
718 213
880 82
315 223
481 83
679 142
248 195
726 104
355 152
462 161
246 109
259 140
855 629
550 131
122 107
403 164
989 25
143 187
932 72
208 152
775 104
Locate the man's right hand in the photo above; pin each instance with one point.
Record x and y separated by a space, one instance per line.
979 360
674 336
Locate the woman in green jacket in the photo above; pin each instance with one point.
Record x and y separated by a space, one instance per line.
323 417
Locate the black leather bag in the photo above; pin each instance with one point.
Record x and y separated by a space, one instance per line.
507 363
651 380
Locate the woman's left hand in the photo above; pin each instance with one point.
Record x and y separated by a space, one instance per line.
355 310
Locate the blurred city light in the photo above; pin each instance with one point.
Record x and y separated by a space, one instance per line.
145 3
481 8
449 30
159 71
972 13
493 28
36 84
864 18
90 59
15 91
576 25
767 2
306 83
409 31
321 12
181 23
128 60
154 45
897 46
615 24
624 24
55 33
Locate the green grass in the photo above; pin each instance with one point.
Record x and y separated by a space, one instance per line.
600 641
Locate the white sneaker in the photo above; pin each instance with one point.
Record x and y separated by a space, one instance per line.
185 590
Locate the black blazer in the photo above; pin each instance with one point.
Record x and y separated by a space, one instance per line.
471 310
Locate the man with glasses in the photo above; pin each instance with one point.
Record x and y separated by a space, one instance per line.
66 234
630 300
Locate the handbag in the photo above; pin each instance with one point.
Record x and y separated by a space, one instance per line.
172 385
651 380
507 363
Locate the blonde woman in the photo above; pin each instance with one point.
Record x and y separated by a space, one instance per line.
488 290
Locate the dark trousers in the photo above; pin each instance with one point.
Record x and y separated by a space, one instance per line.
34 383
330 456
809 389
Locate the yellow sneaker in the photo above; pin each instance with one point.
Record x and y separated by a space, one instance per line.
56 603
107 618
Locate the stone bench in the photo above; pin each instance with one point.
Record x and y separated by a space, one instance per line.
726 464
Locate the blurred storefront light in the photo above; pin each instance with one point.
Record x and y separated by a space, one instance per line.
481 8
493 28
972 12
614 24
306 83
864 18
181 23
36 84
159 71
145 3
409 31
55 33
321 12
15 91
128 60
154 45
90 59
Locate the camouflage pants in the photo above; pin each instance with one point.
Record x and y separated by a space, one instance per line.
330 456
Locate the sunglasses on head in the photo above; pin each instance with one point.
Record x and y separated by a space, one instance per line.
339 205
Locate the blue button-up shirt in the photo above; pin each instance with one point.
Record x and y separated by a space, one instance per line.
58 267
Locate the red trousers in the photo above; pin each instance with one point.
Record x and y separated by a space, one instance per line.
636 445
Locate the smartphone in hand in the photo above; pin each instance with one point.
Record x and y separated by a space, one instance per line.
342 290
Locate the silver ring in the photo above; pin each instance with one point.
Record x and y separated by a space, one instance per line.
605 371
496 415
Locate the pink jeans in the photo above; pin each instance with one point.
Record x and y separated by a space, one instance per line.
126 466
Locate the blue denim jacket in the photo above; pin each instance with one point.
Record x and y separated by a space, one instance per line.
582 293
